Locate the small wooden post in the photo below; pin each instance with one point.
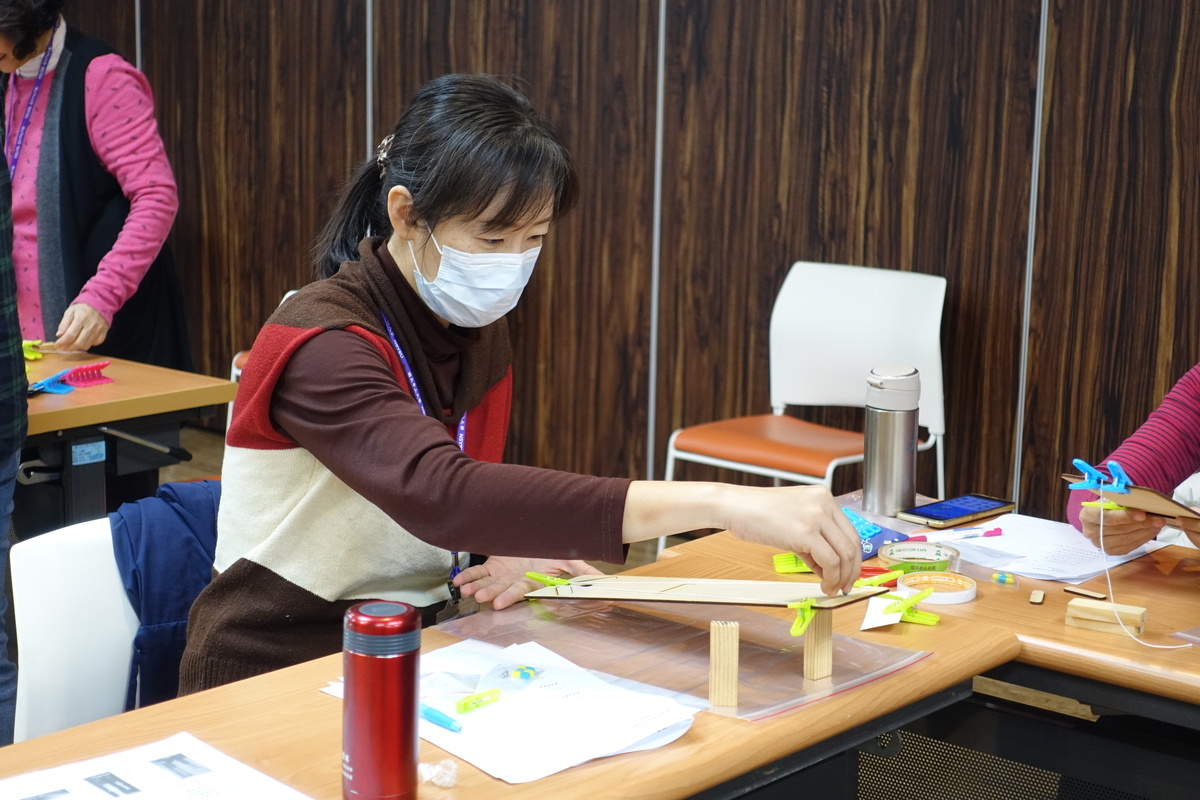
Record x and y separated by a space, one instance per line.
818 646
723 663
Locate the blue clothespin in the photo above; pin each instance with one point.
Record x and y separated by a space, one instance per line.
1096 482
53 384
1120 481
1093 479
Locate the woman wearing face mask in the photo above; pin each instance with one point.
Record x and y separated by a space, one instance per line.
362 461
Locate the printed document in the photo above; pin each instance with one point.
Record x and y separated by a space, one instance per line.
179 768
1040 548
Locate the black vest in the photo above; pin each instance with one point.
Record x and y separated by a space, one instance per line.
152 325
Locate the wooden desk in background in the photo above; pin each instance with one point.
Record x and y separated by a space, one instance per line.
67 458
284 726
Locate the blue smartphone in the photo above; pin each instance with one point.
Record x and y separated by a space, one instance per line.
956 510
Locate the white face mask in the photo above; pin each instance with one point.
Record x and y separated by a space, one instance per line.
475 289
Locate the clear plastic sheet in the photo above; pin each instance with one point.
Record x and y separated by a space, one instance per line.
667 645
1190 635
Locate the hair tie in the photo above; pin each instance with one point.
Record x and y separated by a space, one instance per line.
381 154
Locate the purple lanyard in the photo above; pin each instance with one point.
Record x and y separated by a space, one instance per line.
37 87
461 435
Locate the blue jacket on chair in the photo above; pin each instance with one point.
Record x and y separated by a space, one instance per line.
165 547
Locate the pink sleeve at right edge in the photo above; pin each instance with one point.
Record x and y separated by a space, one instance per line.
1164 450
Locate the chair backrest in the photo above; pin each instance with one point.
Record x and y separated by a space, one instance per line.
832 324
75 629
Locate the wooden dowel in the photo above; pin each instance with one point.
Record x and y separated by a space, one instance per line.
723 663
818 646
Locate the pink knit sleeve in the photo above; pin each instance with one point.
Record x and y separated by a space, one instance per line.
1164 450
124 135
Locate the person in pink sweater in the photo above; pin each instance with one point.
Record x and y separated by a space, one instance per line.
93 193
1160 454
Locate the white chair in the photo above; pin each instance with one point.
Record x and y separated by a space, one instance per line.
830 325
75 629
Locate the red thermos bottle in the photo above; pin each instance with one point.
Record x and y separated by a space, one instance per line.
382 645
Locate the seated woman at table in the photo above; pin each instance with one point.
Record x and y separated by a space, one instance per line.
370 420
1160 455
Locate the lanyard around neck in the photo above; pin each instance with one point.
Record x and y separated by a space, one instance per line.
460 436
33 95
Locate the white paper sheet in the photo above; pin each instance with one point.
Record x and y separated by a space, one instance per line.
1039 548
179 768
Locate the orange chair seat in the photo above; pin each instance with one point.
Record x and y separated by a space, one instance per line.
772 441
240 359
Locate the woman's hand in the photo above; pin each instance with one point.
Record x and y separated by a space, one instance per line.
807 521
1190 528
82 328
804 520
501 579
1124 530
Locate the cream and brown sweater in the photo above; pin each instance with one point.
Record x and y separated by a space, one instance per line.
336 488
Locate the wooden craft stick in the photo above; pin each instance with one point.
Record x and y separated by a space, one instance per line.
1085 592
723 663
1097 615
1037 596
818 646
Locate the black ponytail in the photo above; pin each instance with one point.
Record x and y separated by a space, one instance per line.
358 213
463 142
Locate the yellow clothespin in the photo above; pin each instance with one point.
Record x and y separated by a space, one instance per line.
30 349
804 615
879 580
787 563
909 613
1107 505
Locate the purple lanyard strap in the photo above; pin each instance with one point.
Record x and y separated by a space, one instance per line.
33 95
460 436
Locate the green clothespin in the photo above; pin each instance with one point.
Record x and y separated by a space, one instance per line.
880 579
804 615
546 579
30 349
909 613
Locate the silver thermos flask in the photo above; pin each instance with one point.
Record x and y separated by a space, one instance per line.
890 454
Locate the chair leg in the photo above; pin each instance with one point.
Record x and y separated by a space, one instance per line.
941 469
668 475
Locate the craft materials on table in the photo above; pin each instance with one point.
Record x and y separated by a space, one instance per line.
683 590
872 535
957 535
668 645
918 557
946 588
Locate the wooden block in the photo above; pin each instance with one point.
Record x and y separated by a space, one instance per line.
1037 596
1102 616
818 646
723 663
1086 593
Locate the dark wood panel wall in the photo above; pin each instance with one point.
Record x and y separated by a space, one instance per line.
890 133
1117 274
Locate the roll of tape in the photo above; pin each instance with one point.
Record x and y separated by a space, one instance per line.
948 587
918 556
